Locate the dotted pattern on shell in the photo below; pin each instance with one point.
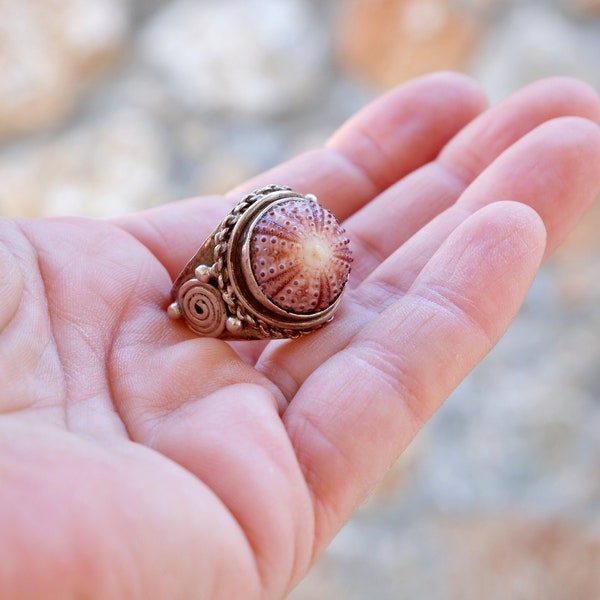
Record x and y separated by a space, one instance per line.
300 256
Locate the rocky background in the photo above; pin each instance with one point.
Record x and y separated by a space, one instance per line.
108 106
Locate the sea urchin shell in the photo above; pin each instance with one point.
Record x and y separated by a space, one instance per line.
299 256
274 268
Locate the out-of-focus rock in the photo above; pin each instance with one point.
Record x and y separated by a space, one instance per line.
535 41
483 8
106 167
585 7
317 586
393 486
575 263
389 41
49 53
504 558
250 57
223 170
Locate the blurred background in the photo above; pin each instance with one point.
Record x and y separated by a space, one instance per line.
109 106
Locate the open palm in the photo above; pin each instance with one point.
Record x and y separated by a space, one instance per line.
138 461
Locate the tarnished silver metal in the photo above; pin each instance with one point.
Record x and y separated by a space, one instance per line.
274 268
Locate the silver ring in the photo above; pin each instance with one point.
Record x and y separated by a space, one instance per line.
274 268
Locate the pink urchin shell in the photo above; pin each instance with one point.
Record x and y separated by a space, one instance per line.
300 256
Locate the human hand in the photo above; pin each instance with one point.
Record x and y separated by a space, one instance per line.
139 461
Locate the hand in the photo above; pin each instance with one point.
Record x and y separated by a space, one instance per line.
138 461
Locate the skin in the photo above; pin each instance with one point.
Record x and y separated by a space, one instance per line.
138 461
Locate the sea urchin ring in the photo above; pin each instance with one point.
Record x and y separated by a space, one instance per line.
275 268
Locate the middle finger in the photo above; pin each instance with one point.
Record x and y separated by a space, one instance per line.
418 198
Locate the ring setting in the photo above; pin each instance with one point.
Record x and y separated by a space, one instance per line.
274 268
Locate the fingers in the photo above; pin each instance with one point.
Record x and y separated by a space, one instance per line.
347 429
553 169
391 137
233 441
483 139
175 231
388 139
559 190
418 198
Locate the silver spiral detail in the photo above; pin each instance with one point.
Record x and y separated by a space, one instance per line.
202 308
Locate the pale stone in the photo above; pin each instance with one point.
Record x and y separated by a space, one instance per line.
252 57
532 42
110 166
389 41
49 53
503 557
585 7
484 8
575 263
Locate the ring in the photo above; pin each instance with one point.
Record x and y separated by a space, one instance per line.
274 268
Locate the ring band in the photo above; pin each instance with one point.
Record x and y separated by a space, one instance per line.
274 268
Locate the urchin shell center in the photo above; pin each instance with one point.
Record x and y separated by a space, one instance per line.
316 253
299 256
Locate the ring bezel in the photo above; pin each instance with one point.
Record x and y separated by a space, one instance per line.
243 281
224 262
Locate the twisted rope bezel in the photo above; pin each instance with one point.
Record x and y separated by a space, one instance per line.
221 274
